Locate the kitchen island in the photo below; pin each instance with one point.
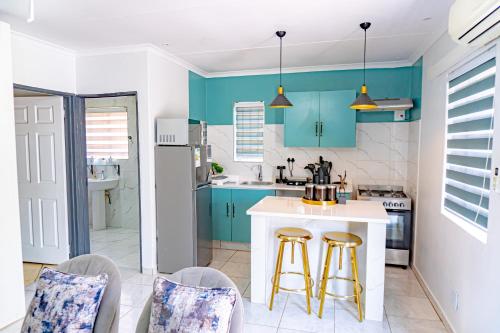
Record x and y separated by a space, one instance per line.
367 219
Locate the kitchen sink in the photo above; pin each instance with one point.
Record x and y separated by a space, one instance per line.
256 183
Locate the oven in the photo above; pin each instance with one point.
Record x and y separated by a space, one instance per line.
398 237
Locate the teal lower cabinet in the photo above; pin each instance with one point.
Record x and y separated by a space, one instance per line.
221 214
230 221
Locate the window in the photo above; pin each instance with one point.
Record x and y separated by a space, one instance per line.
248 120
469 139
107 132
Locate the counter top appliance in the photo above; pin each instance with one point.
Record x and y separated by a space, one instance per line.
399 230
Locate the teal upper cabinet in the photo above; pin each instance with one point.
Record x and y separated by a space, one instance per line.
337 120
302 120
320 119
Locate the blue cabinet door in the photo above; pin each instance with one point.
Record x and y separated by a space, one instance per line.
302 120
221 214
242 201
337 120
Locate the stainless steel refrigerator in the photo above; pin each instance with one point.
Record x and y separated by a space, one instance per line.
183 207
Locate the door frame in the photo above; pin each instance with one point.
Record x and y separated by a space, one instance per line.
76 166
120 94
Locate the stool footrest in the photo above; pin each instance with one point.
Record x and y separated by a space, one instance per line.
343 297
289 289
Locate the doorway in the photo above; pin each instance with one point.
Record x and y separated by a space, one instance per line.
113 178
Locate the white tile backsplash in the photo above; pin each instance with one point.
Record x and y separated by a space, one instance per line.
383 155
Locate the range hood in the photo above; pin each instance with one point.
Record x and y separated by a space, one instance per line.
392 104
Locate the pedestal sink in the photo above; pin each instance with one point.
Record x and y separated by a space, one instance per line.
96 189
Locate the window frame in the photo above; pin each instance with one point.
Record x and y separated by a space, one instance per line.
258 104
470 62
108 109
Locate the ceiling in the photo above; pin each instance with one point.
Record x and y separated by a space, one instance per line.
235 35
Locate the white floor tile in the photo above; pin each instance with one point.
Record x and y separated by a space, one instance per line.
398 272
217 264
285 330
135 295
403 287
405 325
236 269
259 314
222 255
295 316
242 257
251 328
241 283
347 322
128 322
409 307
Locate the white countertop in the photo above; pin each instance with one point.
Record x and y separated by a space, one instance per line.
353 211
275 186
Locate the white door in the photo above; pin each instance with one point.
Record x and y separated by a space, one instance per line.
42 178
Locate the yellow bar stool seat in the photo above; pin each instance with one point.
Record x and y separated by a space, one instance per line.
342 240
293 236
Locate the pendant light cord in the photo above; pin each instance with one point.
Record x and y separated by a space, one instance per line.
364 62
281 53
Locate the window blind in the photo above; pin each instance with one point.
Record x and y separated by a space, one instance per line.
469 139
248 120
107 133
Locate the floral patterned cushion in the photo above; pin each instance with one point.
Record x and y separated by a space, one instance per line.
64 303
180 308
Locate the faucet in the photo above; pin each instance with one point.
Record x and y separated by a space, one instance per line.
260 172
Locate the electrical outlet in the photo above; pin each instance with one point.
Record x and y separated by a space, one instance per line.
399 115
456 299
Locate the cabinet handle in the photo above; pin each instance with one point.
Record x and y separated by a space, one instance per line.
316 128
321 129
233 210
227 209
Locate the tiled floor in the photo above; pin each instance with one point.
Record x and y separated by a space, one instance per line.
119 244
407 309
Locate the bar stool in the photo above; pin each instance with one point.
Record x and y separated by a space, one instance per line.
293 235
341 240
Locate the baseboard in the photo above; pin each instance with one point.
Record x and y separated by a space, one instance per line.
433 299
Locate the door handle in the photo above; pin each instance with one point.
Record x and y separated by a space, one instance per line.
321 128
227 209
233 209
316 128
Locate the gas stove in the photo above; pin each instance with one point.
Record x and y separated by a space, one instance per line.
391 196
399 229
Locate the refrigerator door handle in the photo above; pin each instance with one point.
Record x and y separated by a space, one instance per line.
233 210
227 209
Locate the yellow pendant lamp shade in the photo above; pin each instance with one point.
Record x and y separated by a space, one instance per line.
280 101
363 101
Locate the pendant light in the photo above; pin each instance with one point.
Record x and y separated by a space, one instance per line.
281 101
364 102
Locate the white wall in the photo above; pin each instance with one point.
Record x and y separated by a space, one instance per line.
11 276
162 90
446 256
39 64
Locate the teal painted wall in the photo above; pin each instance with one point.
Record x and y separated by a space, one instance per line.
221 93
416 89
197 97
